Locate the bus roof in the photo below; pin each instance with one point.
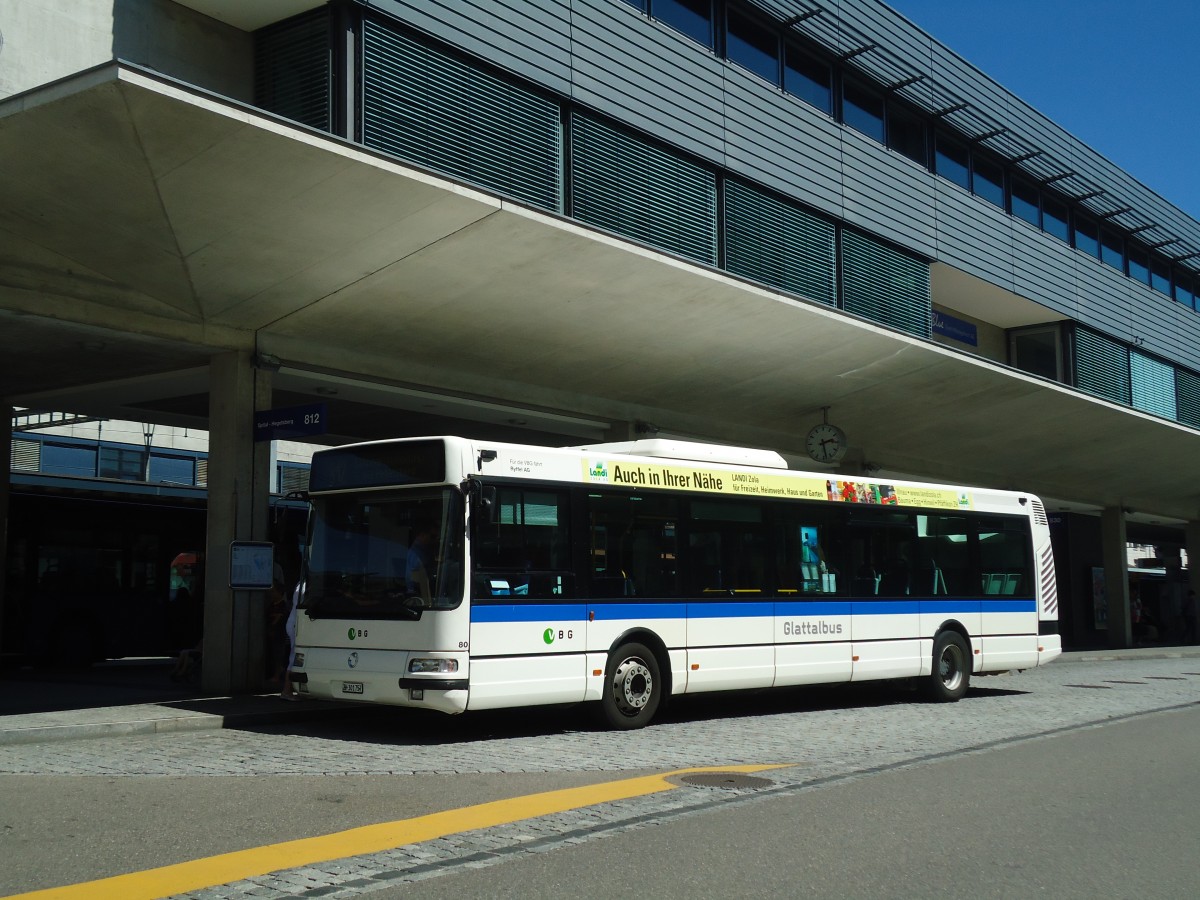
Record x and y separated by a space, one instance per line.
692 451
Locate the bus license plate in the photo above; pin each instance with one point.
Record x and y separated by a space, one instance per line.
352 687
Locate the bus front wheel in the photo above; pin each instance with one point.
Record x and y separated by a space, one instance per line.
632 687
951 668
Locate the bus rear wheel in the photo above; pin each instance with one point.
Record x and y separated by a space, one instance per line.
632 687
951 673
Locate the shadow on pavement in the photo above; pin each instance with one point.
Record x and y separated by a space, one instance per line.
27 689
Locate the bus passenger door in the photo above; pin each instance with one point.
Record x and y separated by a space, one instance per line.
527 624
886 590
730 614
812 612
633 581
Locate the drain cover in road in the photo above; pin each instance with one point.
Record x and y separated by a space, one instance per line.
728 780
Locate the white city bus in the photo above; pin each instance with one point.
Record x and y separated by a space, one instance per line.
460 575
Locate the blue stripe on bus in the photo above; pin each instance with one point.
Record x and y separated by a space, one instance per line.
528 612
738 609
607 612
730 609
794 608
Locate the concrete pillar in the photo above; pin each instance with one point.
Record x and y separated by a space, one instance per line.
5 481
1116 577
1191 537
237 511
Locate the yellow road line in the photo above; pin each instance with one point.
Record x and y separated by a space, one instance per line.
224 868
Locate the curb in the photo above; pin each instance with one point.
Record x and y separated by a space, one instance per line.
165 724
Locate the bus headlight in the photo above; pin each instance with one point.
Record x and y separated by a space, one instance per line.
431 666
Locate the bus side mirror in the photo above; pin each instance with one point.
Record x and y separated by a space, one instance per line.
482 498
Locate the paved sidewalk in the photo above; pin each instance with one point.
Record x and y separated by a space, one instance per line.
35 709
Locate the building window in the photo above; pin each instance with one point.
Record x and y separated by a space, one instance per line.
172 469
808 79
1025 202
862 110
1087 236
752 46
1139 266
1112 249
987 180
1055 219
1037 350
122 463
906 135
68 459
691 17
1183 290
1160 276
953 162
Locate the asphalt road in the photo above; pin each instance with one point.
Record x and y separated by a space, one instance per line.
1108 811
1074 779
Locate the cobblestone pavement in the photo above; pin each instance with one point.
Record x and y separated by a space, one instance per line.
825 735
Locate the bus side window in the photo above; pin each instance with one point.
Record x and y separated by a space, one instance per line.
727 547
805 544
1004 556
524 549
632 545
945 556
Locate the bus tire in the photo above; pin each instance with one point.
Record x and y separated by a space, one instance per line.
633 687
951 673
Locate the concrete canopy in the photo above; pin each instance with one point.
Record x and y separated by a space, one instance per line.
147 227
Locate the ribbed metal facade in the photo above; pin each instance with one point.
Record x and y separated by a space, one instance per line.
671 145
609 58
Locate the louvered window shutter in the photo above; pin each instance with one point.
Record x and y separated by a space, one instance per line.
26 456
1101 366
633 188
1187 390
885 285
779 244
292 69
437 111
1152 385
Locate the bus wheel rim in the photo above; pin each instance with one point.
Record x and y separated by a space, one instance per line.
950 667
633 685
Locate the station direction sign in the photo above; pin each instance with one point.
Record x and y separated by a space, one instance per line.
291 422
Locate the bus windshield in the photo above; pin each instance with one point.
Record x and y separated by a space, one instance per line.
385 555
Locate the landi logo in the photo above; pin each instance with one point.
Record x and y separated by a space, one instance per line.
598 471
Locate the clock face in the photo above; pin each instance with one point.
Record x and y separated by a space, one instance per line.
826 443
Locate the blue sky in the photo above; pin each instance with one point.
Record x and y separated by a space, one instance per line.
1121 76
